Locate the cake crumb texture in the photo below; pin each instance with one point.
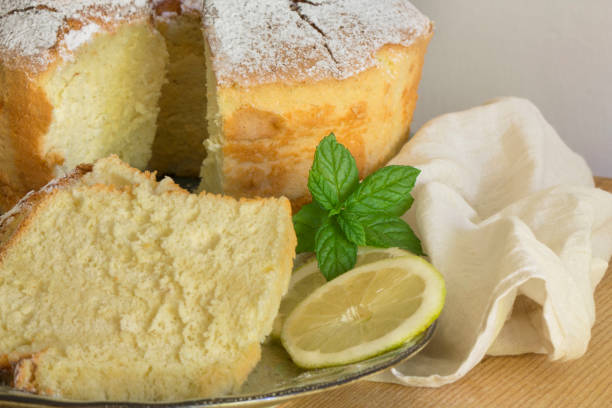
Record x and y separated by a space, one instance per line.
116 287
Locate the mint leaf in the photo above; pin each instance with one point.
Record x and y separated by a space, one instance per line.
386 191
385 232
345 213
333 175
352 228
306 224
335 254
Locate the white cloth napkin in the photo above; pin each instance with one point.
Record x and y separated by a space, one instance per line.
510 217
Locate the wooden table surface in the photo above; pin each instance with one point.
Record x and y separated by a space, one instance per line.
523 381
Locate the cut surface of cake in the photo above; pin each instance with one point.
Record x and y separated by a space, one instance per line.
79 80
116 287
250 87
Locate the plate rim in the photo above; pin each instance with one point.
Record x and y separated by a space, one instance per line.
278 396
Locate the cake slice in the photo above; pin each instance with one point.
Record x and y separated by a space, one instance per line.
116 287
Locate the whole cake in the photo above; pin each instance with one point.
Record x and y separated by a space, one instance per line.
82 79
116 287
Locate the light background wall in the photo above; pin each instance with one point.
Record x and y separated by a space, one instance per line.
557 53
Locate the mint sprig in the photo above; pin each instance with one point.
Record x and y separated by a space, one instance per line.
345 213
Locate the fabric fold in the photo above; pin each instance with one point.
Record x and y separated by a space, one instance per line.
511 218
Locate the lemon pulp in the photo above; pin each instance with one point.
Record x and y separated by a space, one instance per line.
367 311
307 277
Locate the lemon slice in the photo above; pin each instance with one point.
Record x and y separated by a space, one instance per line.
365 312
307 277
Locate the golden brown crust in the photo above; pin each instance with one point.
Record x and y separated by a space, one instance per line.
220 378
24 374
268 150
27 115
8 195
14 222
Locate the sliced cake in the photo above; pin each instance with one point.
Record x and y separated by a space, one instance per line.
250 89
116 287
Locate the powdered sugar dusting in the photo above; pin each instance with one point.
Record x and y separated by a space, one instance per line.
262 40
355 29
30 32
251 41
30 29
74 39
258 41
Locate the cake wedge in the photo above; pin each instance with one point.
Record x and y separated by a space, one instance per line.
114 286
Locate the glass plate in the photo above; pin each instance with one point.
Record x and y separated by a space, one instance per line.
274 380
